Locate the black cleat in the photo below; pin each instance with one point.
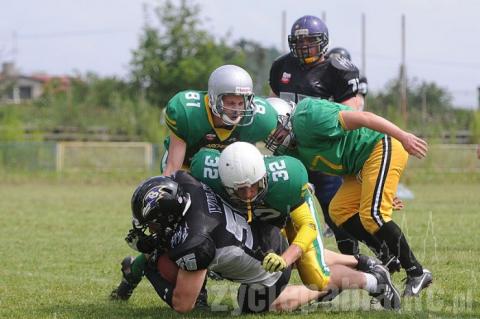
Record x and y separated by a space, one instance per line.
366 263
330 295
126 286
414 285
202 300
386 293
393 265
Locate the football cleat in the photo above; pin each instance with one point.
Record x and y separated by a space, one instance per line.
202 300
330 295
414 285
393 264
328 232
127 285
366 263
386 294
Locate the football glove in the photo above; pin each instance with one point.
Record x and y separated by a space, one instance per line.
137 240
273 262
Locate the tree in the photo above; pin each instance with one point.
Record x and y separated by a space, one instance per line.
177 54
258 63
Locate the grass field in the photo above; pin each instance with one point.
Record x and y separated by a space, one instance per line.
61 242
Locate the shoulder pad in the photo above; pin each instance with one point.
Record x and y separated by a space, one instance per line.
282 57
196 253
341 63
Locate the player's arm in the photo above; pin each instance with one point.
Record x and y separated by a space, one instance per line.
307 232
177 122
273 78
355 102
187 289
176 154
352 120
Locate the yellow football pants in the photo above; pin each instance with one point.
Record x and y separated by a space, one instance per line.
371 192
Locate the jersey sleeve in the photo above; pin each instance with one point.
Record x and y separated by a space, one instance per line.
346 79
196 253
286 178
316 119
264 123
301 214
204 167
274 76
176 118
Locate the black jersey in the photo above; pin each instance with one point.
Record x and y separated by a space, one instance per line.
215 236
335 79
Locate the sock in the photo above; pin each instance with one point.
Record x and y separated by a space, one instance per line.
397 244
137 269
354 226
372 283
346 243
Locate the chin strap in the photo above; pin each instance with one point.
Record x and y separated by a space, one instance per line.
249 213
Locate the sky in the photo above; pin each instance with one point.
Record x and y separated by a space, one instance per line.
67 36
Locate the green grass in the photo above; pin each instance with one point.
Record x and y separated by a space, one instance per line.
61 242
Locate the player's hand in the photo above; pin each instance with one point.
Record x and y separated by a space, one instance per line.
397 204
140 242
273 262
414 145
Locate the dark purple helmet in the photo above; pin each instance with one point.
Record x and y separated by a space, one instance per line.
340 52
308 39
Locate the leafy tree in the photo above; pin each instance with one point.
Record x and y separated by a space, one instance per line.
258 62
178 54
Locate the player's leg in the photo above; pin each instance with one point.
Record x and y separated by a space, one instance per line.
326 187
312 267
344 208
380 175
257 298
132 273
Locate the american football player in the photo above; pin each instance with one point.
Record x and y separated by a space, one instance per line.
199 232
370 153
226 113
275 190
305 72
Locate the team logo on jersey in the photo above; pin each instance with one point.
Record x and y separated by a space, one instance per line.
285 77
210 137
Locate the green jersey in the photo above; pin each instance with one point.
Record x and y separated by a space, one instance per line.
188 116
324 145
286 179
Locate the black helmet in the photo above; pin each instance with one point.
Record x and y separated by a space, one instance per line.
340 52
159 203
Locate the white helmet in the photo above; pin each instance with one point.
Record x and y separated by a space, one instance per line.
241 165
282 138
231 80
